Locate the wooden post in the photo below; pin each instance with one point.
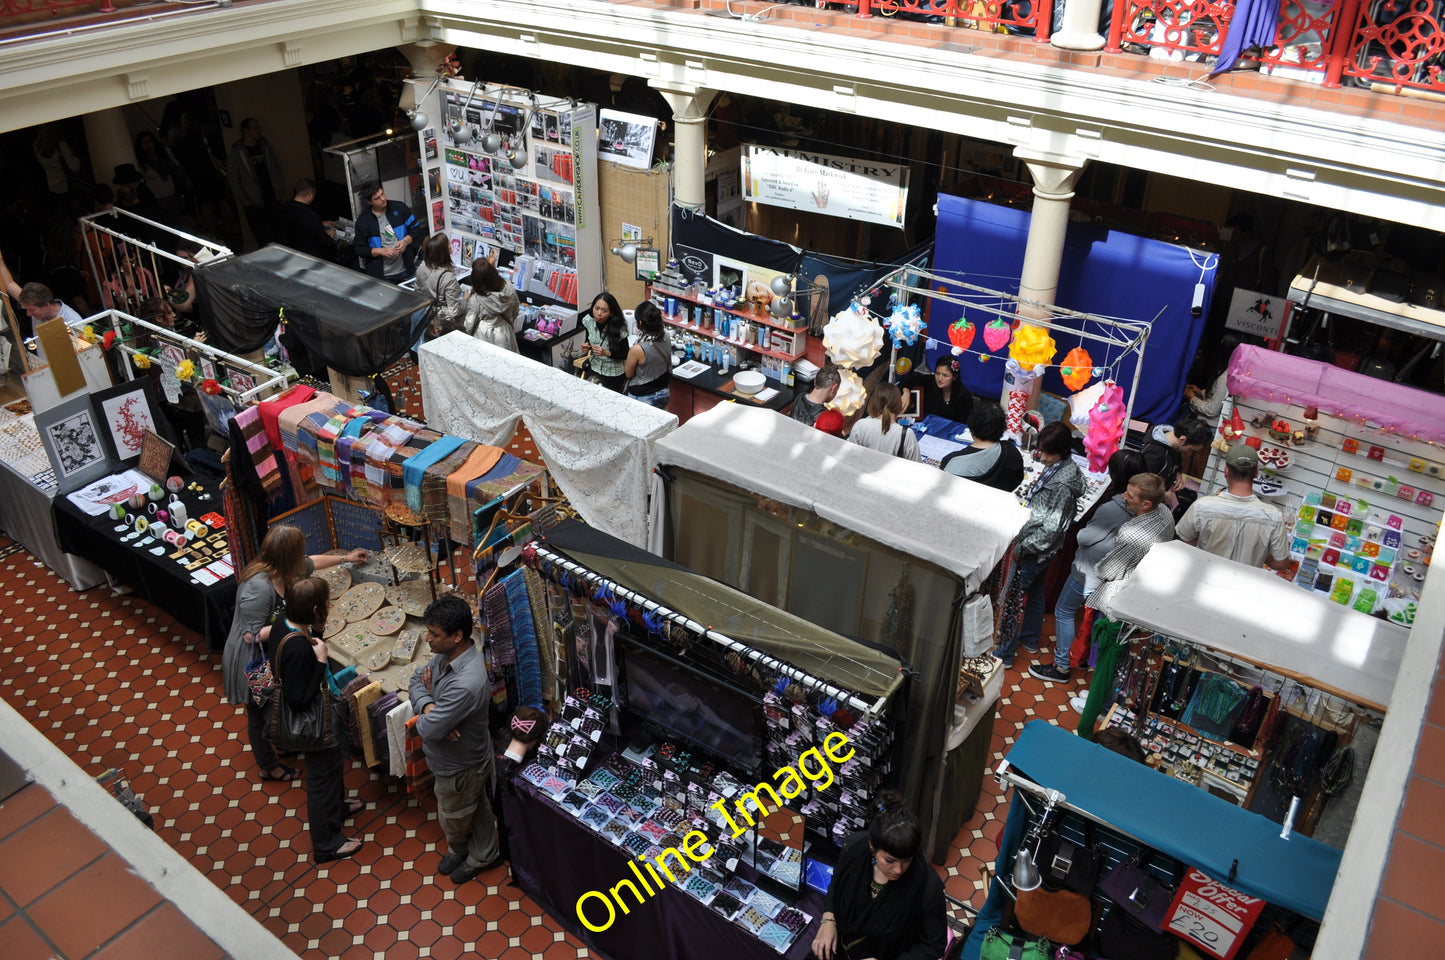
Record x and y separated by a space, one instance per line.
15 332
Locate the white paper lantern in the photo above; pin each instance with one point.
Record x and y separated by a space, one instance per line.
852 338
850 396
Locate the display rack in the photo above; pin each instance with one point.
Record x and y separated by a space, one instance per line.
703 317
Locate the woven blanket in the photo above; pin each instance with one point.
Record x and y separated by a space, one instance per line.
396 719
524 640
542 624
329 473
415 467
434 482
418 775
309 429
374 453
363 420
271 410
499 625
263 455
290 420
459 510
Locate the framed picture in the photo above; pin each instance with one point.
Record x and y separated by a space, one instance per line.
648 265
125 412
71 433
155 456
626 138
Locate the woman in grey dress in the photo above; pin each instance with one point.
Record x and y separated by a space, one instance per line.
492 308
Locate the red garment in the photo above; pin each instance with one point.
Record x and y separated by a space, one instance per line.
271 411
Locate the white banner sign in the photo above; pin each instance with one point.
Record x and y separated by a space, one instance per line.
867 190
1257 314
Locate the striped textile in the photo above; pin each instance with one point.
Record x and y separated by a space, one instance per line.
329 473
459 512
418 775
434 482
374 453
291 417
542 625
270 410
263 456
499 626
524 640
421 460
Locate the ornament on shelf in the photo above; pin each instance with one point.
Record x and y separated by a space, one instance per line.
1032 346
852 338
1106 427
849 399
1233 428
1078 369
960 334
905 324
996 334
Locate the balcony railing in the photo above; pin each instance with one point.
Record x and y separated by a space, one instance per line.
1389 44
17 8
1030 17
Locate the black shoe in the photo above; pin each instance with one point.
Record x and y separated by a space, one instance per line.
450 862
468 872
1049 673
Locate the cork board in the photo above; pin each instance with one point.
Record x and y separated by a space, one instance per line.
639 198
54 336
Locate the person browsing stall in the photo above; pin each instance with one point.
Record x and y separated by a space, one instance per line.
300 227
450 697
810 406
260 597
1235 523
649 361
885 901
1148 526
435 278
298 662
990 460
881 430
1166 448
606 345
387 235
943 393
491 312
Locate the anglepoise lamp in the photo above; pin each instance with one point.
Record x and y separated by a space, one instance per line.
492 140
418 117
1026 874
463 132
786 289
517 145
626 250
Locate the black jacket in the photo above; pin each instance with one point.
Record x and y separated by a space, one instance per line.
368 237
299 227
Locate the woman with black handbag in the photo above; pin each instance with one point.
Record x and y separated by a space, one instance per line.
298 664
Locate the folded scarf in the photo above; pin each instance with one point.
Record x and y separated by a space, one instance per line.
459 510
415 466
262 455
271 410
434 500
524 640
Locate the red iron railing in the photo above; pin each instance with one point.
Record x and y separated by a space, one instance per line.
1394 43
1013 16
15 8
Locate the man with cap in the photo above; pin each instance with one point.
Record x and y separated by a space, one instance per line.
1235 523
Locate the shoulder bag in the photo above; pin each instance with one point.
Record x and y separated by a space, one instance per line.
1062 916
1137 893
258 677
1066 865
302 731
998 945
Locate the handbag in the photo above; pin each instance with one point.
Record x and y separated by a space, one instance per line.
302 731
1062 916
1066 865
998 945
1137 894
1121 937
258 677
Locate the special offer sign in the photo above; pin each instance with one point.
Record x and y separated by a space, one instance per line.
1211 916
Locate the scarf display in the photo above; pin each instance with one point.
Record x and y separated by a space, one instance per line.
434 501
542 628
524 639
418 775
261 456
270 410
426 451
482 459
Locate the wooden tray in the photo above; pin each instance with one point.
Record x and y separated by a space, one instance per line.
360 602
386 621
338 578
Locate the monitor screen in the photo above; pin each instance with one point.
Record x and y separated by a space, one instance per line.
686 703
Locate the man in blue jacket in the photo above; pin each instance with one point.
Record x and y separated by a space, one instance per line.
387 235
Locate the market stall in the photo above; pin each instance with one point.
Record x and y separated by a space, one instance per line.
597 444
861 543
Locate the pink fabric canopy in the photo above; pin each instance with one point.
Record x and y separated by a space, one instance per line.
1281 378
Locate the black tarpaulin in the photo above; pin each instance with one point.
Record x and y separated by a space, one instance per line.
353 323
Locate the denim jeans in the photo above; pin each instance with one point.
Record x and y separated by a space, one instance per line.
658 399
1070 599
1030 575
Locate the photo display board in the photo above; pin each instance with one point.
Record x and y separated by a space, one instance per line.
544 214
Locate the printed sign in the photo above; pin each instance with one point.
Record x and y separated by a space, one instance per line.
1256 314
869 190
1211 916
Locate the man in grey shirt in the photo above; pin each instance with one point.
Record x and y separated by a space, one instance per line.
449 696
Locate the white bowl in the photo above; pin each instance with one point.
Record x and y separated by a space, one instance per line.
748 382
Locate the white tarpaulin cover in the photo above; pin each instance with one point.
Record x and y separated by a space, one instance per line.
961 526
597 444
1183 592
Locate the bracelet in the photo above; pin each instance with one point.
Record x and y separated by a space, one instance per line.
828 920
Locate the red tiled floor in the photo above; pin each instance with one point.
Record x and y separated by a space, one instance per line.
1397 931
111 903
162 934
20 941
44 854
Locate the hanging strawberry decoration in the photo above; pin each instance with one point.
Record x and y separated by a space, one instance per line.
1078 369
960 334
997 333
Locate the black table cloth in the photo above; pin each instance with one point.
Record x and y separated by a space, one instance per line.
556 859
205 609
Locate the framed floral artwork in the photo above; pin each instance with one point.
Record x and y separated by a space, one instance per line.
125 412
72 435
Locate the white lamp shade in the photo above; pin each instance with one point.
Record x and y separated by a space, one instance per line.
852 338
849 399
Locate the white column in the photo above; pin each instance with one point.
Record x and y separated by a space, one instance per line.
689 118
1054 178
1080 29
424 56
108 138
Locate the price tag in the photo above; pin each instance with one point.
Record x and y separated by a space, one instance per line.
1211 916
170 385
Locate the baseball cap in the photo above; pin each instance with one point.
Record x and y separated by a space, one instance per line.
830 421
1242 456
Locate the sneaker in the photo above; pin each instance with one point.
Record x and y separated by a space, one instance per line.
1006 664
1049 673
1034 649
450 862
467 872
1077 703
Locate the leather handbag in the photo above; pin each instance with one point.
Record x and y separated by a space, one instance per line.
1137 893
998 945
302 731
1121 937
1062 916
1066 865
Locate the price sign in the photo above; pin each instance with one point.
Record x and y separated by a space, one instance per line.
1211 916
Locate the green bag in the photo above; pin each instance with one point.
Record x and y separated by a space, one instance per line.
998 945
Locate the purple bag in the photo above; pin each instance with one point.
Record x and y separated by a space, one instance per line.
1137 893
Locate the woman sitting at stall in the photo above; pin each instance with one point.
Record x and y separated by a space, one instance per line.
885 901
493 306
260 597
943 393
990 459
298 662
606 341
881 430
649 361
435 278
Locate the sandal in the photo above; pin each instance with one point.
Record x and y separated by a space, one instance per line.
282 774
340 853
355 806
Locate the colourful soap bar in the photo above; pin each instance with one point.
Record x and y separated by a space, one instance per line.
1313 497
1331 557
1371 550
1360 564
1307 513
1354 526
1380 572
1339 521
1328 501
1343 475
1350 446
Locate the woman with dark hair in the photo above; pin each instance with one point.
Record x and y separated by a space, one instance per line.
435 278
989 459
885 901
649 361
163 176
1207 402
492 308
298 662
943 393
1052 499
881 430
607 341
260 592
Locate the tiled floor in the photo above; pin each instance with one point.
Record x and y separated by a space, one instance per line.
114 681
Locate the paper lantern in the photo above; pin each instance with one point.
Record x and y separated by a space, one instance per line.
1020 385
905 324
849 399
960 334
902 366
997 333
1032 346
1078 369
852 338
1106 427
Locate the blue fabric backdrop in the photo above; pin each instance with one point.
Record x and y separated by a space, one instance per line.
1105 272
